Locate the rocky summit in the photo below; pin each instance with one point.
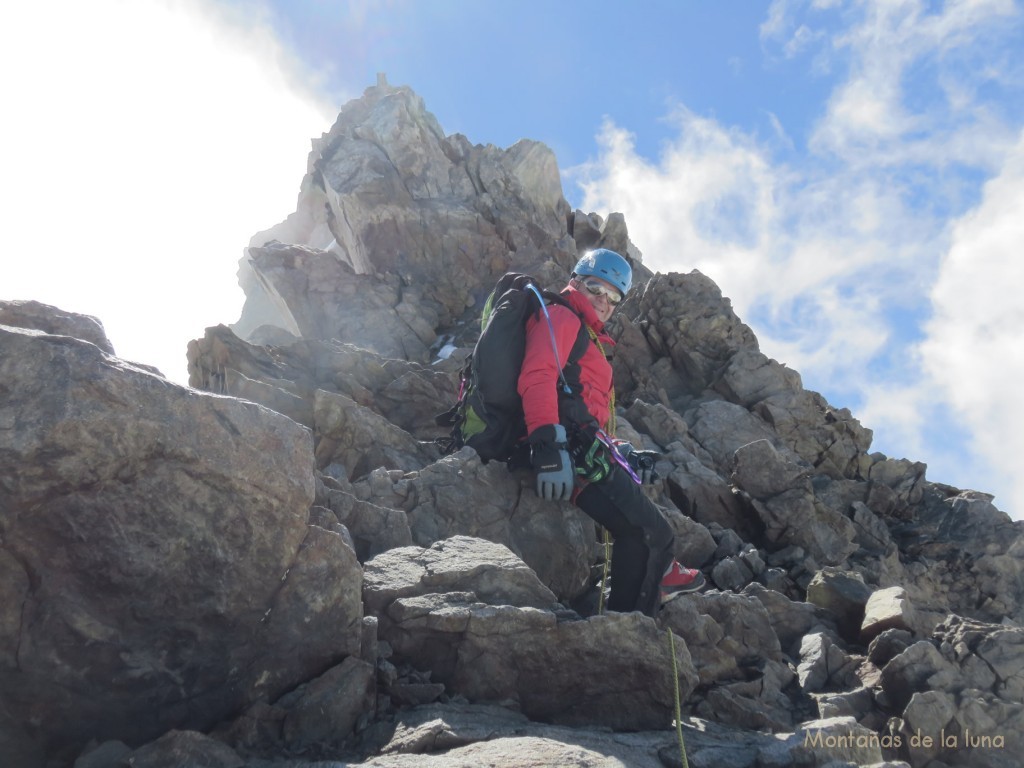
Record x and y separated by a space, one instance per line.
278 567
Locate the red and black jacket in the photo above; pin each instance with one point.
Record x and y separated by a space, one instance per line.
589 376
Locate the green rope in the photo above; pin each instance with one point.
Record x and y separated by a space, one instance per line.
611 431
604 570
679 714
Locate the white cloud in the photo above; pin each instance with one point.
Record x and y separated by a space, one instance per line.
881 115
777 22
802 38
806 261
832 258
973 350
152 138
707 178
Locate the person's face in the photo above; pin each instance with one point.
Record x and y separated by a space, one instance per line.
597 292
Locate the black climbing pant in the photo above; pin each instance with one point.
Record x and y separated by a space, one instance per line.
642 536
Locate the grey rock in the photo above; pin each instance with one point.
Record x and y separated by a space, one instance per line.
970 708
919 668
456 735
722 428
752 559
857 703
819 742
829 439
177 748
844 595
285 377
729 542
277 396
872 534
763 471
415 694
751 378
697 341
459 496
491 653
701 494
990 656
361 440
731 573
53 320
904 478
757 703
104 755
375 312
703 636
257 730
387 193
796 518
777 580
504 652
822 663
926 717
491 572
374 528
889 644
888 609
517 752
724 632
157 541
330 706
790 620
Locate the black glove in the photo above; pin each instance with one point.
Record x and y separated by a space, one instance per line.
550 460
642 462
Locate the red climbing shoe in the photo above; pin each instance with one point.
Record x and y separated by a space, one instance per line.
679 580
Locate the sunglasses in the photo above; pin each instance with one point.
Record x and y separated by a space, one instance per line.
600 289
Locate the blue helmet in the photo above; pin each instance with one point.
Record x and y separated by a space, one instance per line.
607 265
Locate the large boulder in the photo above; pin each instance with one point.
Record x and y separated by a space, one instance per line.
286 373
973 555
797 518
475 624
387 193
159 567
737 657
689 322
325 300
360 440
459 496
49 319
491 572
964 691
844 595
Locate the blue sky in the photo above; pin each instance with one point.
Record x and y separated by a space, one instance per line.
851 174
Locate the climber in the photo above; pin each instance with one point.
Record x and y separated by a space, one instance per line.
569 413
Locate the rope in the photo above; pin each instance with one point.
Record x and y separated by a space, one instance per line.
604 570
675 681
607 560
611 431
604 577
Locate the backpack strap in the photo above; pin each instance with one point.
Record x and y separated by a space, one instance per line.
570 401
611 399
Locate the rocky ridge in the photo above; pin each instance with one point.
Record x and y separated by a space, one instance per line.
278 567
